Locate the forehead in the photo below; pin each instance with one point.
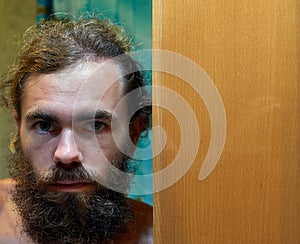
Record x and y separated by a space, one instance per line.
83 87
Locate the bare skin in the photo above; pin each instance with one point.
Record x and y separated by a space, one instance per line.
10 231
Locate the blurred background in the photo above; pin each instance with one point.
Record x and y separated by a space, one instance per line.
16 16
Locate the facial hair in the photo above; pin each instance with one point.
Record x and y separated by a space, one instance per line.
63 217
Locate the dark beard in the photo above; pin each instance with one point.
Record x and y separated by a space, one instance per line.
62 217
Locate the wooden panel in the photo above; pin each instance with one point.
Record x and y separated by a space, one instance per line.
250 49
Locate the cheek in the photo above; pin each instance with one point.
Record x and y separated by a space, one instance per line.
39 154
40 159
107 140
102 149
98 155
120 137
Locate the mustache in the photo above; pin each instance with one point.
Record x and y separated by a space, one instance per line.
77 174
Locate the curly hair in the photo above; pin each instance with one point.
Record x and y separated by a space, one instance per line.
59 43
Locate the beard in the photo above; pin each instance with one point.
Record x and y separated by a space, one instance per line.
67 217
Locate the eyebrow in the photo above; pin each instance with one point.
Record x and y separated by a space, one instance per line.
37 114
40 115
99 114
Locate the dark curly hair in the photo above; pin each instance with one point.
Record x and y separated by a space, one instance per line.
58 43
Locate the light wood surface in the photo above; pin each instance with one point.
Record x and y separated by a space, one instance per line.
250 49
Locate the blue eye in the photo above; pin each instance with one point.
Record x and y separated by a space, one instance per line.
43 127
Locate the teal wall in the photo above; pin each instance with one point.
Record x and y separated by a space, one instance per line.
136 15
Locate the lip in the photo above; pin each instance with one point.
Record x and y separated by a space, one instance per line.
68 186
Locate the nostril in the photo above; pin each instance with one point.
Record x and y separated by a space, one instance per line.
71 165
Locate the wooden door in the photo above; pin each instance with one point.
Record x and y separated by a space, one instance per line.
250 50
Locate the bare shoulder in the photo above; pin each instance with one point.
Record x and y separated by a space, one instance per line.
7 215
143 213
9 231
142 231
144 221
6 186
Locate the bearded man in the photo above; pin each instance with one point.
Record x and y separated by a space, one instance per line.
79 117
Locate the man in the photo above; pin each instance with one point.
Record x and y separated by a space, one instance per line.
79 117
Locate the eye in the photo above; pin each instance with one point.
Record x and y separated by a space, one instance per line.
44 127
98 125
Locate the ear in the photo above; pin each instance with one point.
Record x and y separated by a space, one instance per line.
17 119
136 128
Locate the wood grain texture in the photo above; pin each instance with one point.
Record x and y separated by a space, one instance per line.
250 49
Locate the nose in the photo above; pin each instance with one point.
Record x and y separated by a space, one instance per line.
66 152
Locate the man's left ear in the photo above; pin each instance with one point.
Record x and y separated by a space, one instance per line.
136 128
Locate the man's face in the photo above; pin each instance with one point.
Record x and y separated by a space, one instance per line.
67 120
69 123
